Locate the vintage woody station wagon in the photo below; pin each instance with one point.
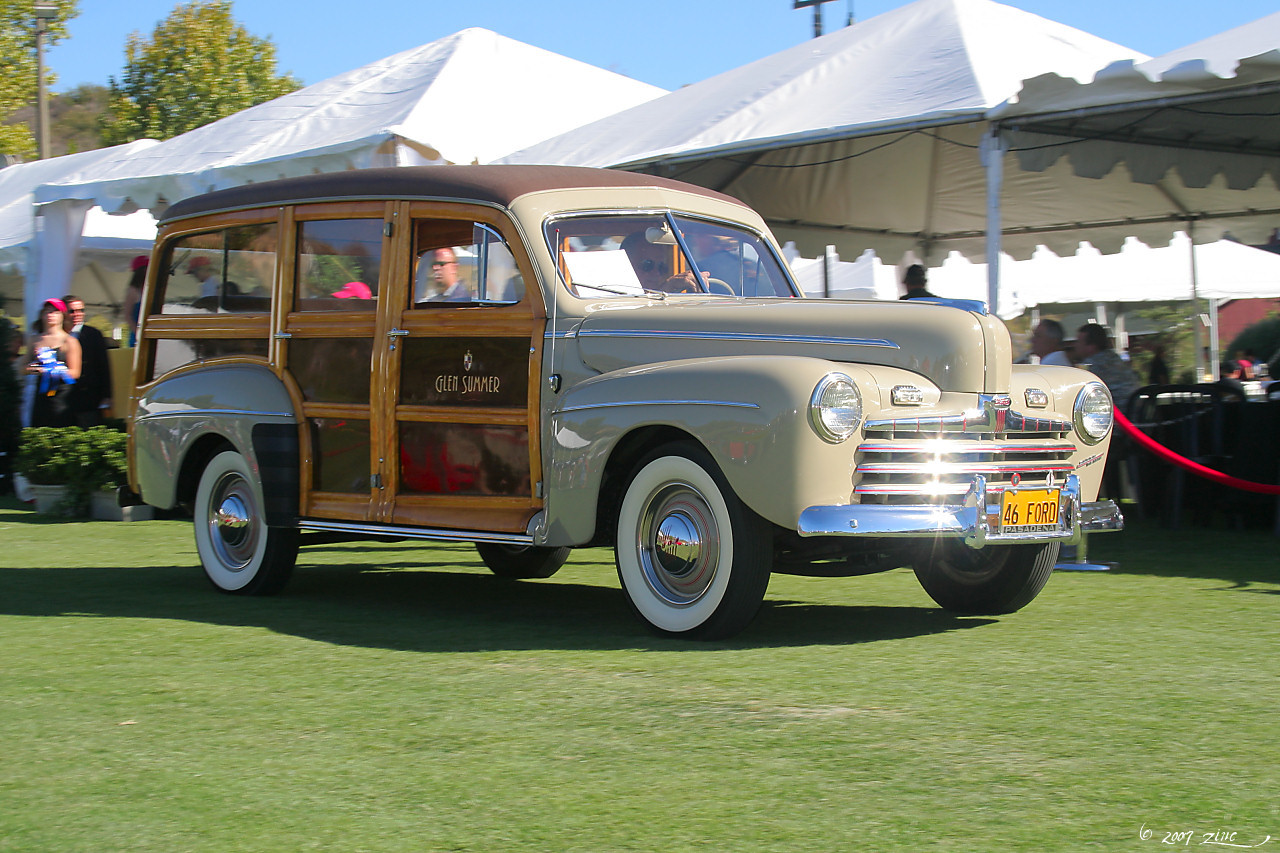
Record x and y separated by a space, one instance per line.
535 359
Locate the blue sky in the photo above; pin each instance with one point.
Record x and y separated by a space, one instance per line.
668 43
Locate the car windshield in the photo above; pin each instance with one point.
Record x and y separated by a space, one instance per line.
601 256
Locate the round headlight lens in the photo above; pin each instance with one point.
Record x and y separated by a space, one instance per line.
1094 412
835 409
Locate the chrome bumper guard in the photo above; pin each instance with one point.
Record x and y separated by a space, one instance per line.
975 521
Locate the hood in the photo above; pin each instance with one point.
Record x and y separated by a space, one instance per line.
949 346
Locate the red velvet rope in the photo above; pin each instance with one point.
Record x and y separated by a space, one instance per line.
1194 467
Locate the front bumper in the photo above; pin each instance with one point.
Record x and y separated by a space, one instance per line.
974 520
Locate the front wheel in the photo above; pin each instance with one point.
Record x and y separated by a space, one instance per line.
240 553
692 559
996 579
522 562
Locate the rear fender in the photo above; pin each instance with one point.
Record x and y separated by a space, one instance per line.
245 406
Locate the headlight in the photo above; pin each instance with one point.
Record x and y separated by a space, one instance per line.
835 409
1094 412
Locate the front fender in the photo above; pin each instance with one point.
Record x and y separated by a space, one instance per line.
749 412
228 401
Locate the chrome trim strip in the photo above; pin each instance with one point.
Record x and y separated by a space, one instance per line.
956 447
416 532
944 468
585 406
737 336
200 413
972 421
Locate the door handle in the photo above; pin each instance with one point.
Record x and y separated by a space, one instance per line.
396 333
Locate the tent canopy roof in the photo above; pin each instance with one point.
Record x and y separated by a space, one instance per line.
464 98
864 138
930 62
1205 109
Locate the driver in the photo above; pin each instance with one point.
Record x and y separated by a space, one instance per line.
652 263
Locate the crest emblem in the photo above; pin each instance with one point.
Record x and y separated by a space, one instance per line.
999 411
467 361
1015 478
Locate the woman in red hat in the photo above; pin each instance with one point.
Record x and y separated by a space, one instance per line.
55 359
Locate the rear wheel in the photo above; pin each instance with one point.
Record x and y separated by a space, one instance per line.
522 562
692 559
240 553
995 579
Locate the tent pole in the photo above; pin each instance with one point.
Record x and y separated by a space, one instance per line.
1215 345
1203 370
992 151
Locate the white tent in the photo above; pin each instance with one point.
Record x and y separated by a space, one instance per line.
17 216
468 97
867 137
1186 141
100 269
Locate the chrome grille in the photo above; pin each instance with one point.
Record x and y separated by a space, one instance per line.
924 469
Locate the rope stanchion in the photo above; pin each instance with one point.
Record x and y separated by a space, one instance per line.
1148 443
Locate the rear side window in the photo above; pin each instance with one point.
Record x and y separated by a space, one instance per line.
230 270
458 262
338 264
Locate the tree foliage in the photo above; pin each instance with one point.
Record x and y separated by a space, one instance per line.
1263 338
198 66
1175 325
18 66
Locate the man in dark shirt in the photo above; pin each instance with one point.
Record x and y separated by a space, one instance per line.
916 282
93 390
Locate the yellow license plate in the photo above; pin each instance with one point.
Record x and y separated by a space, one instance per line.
1029 511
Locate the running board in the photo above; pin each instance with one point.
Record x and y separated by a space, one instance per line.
385 530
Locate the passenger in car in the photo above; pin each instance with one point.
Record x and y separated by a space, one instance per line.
439 280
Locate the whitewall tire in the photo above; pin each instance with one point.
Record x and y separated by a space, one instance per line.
692 559
240 553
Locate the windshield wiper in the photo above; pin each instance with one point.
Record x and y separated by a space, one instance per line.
617 291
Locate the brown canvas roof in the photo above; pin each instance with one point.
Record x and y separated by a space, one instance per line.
493 184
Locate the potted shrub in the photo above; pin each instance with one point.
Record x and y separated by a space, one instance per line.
80 461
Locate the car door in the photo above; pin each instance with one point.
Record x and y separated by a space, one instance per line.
332 305
462 364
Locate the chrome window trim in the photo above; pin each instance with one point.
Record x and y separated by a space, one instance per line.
669 213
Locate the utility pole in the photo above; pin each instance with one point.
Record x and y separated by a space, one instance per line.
45 12
817 13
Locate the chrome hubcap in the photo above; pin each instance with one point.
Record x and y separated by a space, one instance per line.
679 543
231 522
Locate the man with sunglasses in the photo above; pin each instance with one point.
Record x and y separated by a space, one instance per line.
652 263
445 284
92 392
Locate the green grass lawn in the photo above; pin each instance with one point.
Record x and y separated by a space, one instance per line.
398 697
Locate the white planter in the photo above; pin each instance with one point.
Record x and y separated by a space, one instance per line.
47 498
104 507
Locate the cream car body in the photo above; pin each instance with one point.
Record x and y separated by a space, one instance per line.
687 429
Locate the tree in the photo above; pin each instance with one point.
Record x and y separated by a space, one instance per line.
18 66
198 66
